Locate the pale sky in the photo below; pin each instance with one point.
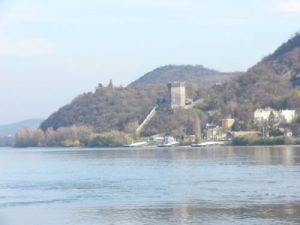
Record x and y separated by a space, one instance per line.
52 51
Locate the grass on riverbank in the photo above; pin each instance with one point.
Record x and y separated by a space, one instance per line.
255 140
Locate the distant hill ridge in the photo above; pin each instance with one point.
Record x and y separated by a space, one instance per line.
188 73
11 129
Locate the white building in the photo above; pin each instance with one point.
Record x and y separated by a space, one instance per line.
283 116
287 116
264 114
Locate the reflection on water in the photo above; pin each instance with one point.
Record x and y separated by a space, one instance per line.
223 185
192 213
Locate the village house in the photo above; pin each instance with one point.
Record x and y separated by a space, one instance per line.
215 133
261 115
286 132
283 116
287 116
227 124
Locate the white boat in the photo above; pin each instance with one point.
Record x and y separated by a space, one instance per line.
168 142
206 144
137 144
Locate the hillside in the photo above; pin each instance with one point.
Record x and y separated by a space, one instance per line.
120 109
268 83
189 74
11 129
107 108
285 61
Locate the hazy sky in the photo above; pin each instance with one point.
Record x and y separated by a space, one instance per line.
51 51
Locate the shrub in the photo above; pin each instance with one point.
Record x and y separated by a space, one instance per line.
29 137
109 139
254 140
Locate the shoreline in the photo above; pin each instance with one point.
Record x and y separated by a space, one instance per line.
147 147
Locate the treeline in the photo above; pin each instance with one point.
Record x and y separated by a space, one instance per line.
73 136
255 140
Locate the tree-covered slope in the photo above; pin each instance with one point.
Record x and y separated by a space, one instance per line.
284 62
107 108
268 83
187 73
120 109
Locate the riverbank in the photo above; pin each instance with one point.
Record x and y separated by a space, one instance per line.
263 141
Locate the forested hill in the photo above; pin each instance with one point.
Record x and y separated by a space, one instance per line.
187 73
285 61
107 108
268 83
114 108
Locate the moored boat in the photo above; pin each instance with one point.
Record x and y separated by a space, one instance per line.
207 143
137 144
168 142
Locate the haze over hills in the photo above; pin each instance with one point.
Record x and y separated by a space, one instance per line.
11 129
188 73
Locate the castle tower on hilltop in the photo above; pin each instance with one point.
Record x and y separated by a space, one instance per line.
176 94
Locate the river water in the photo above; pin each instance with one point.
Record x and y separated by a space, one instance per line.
223 185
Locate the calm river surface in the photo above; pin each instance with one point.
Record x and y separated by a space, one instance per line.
152 186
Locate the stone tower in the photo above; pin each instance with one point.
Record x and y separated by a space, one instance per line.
176 94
